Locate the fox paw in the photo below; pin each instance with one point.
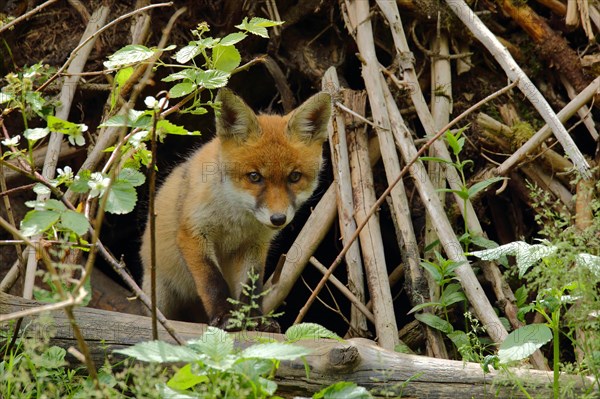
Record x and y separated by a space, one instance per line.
269 325
221 321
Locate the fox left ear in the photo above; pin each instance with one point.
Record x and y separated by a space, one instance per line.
309 121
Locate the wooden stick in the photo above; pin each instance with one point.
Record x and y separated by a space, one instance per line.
345 202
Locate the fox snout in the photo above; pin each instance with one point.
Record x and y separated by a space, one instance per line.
278 219
275 219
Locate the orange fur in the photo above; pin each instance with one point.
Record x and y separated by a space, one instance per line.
217 213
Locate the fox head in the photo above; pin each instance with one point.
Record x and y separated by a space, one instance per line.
271 163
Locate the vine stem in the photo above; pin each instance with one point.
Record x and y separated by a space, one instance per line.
383 196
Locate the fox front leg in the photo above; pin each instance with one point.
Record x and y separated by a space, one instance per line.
210 284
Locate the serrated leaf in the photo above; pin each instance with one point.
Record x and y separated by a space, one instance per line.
434 321
522 342
232 39
257 26
590 262
130 54
41 189
37 133
187 73
214 343
212 78
182 89
275 350
75 222
132 176
52 358
166 127
184 378
159 352
526 254
140 119
225 58
482 185
309 331
186 53
121 198
343 390
36 222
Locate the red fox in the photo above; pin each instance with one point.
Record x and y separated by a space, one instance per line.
217 213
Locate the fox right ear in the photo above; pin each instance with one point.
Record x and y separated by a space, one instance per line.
235 120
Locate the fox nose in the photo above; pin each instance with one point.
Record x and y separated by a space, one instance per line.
278 219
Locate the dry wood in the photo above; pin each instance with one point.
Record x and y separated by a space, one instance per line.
345 203
358 360
516 74
583 112
371 242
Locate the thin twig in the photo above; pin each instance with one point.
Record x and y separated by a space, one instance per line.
26 15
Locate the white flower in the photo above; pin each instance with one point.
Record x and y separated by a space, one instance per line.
13 141
98 184
66 173
76 136
153 103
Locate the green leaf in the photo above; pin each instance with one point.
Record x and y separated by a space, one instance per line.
52 358
130 54
182 89
54 205
132 176
435 159
452 298
184 378
75 221
309 331
121 198
275 350
37 133
168 393
522 342
343 390
433 269
459 339
6 97
187 53
187 73
120 79
482 185
423 305
232 39
521 295
212 78
225 58
526 254
166 127
36 222
214 343
257 26
159 352
463 194
141 119
434 321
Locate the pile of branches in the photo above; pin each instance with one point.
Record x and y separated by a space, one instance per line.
402 74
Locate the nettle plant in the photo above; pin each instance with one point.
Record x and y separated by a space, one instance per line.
205 63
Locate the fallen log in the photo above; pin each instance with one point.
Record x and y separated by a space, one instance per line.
358 360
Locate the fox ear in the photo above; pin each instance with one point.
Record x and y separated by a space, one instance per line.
235 120
309 121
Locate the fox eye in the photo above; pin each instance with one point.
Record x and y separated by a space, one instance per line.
255 177
294 177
